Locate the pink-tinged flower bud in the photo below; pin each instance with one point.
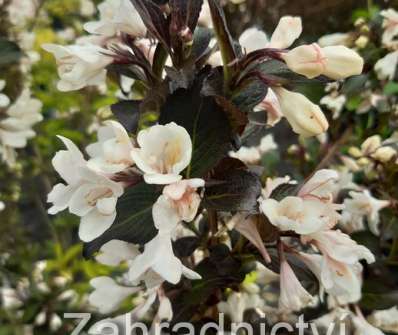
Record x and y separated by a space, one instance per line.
305 117
341 62
307 60
336 62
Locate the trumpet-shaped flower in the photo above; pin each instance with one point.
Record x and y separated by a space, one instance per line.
237 303
117 16
361 205
183 197
320 186
88 194
108 295
299 215
341 280
293 296
79 65
305 117
158 255
385 67
112 152
16 128
336 62
339 246
390 25
165 151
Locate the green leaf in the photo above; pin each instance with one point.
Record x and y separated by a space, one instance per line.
354 85
201 41
224 38
133 222
9 52
234 188
285 190
391 88
278 72
249 94
205 121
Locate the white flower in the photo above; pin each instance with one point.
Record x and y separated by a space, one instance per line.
390 25
183 197
341 280
297 214
305 117
4 100
252 155
386 320
336 62
165 151
108 295
335 39
10 298
334 103
364 327
363 204
112 152
16 128
320 186
158 257
386 66
2 206
248 155
339 246
117 16
237 303
79 65
20 11
88 194
293 295
115 251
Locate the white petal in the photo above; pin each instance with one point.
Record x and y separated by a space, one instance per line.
115 251
94 224
287 31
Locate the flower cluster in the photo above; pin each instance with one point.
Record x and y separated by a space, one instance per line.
168 194
17 120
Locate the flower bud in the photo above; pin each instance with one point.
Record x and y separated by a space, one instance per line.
355 152
305 117
362 42
336 62
341 62
384 154
307 60
371 144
